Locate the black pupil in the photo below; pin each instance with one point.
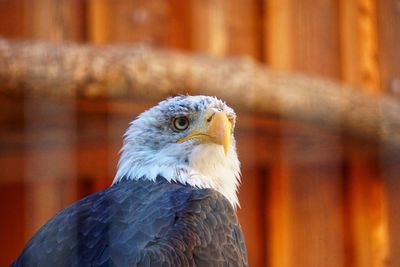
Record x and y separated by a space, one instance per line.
182 122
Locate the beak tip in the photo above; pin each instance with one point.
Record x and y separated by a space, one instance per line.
226 150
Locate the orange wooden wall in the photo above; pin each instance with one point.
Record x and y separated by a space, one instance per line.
349 40
309 197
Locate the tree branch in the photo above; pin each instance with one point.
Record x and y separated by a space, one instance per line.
138 72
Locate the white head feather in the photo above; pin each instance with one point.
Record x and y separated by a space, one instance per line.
151 149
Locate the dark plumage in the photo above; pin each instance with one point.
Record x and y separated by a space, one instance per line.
172 202
141 223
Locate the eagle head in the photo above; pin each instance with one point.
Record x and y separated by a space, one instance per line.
186 139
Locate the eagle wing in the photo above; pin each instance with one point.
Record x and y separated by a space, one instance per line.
141 223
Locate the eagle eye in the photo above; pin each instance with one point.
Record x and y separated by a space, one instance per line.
181 123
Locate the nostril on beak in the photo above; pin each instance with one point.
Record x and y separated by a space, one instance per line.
210 118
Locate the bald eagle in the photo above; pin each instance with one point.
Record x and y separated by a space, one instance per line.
172 201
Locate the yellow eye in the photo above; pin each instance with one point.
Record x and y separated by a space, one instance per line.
181 123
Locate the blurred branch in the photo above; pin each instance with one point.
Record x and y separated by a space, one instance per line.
138 72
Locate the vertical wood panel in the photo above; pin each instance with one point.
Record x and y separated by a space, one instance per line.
97 120
359 44
389 40
303 36
251 192
313 233
367 212
12 201
350 42
52 20
225 27
128 21
251 214
316 37
49 178
391 172
278 35
12 18
179 24
98 19
278 214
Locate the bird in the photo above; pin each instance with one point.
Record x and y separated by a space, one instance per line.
172 202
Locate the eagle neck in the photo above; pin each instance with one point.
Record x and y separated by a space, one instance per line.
207 166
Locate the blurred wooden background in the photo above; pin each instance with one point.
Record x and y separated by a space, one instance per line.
310 196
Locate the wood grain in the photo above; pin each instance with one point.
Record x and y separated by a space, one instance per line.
12 236
388 18
303 36
226 27
367 210
391 174
12 18
55 21
278 39
313 183
359 44
179 30
50 183
253 189
128 21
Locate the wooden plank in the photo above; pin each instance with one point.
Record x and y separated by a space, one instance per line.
98 18
277 212
99 21
278 36
255 178
391 172
251 213
350 42
303 36
179 24
388 17
49 184
56 21
12 18
310 223
366 202
359 44
12 239
226 27
128 21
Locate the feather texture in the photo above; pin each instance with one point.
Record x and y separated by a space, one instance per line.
141 223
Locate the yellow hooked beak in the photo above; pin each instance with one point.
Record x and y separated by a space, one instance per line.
216 130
